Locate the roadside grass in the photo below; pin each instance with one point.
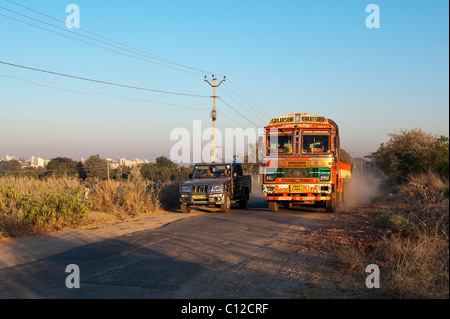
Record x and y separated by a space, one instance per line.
412 250
28 205
32 206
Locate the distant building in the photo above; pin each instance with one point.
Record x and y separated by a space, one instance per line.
11 158
121 161
38 162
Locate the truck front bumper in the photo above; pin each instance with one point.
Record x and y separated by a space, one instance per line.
301 193
202 199
297 198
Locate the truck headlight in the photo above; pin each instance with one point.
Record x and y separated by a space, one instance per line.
324 178
185 189
269 189
217 188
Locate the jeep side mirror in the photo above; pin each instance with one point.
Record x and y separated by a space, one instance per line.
190 175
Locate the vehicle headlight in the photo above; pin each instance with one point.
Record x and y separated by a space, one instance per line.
325 177
270 177
269 189
217 188
185 189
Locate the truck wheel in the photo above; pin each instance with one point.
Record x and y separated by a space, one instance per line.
287 205
226 206
185 209
330 205
243 204
273 206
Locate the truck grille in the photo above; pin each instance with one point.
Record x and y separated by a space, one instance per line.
200 189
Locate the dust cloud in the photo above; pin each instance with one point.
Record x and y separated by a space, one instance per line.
366 183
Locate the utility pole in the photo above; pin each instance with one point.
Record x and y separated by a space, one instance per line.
214 115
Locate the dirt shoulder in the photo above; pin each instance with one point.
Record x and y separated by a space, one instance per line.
29 248
350 230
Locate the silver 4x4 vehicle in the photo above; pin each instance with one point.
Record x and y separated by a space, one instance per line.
216 185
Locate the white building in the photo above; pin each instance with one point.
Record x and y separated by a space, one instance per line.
37 162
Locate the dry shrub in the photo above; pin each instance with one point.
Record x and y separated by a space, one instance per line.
427 204
414 252
352 258
103 195
130 197
416 267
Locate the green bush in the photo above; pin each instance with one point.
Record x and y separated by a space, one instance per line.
383 221
40 204
411 153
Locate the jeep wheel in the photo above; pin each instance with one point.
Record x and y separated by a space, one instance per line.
226 206
243 204
185 209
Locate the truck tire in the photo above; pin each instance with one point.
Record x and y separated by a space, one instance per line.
287 205
243 204
330 205
273 206
185 209
226 206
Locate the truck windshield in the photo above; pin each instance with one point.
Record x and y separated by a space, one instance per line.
316 142
280 142
212 171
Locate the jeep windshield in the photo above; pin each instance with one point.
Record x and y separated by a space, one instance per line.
211 171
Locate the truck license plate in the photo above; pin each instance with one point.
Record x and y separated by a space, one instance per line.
199 196
304 188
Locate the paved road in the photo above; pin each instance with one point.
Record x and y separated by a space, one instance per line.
249 253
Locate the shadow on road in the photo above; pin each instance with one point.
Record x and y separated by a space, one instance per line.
242 254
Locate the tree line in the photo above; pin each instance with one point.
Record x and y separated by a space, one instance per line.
96 167
405 154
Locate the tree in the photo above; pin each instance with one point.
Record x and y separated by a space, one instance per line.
63 165
412 152
163 161
164 170
12 166
95 167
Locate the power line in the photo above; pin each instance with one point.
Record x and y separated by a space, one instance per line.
242 106
238 112
230 118
135 50
101 93
101 82
258 111
250 99
124 46
92 44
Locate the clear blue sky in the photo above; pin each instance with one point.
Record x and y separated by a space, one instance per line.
287 56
